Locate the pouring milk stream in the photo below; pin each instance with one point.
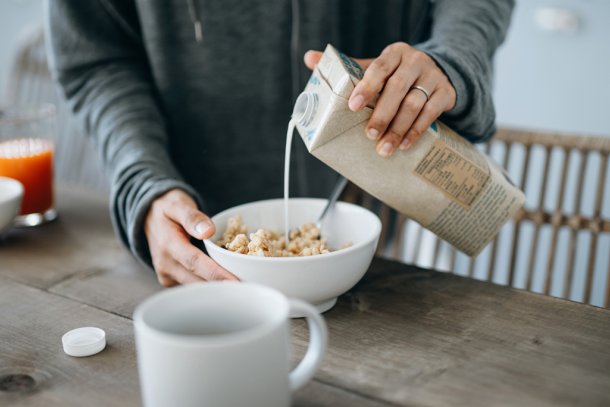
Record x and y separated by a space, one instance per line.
443 182
289 133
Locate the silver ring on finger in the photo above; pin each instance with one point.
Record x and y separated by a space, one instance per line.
423 90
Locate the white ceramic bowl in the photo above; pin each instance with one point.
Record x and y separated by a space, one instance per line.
11 194
316 279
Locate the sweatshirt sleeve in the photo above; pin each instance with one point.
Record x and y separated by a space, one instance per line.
96 55
464 37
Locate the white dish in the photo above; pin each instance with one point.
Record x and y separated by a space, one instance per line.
11 194
316 279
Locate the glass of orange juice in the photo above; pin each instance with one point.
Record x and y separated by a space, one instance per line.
27 137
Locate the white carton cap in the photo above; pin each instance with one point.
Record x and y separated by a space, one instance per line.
84 341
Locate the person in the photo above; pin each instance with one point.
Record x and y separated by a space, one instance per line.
187 101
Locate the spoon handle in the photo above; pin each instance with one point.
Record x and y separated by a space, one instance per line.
339 187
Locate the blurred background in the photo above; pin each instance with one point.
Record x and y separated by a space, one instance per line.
552 76
551 73
17 17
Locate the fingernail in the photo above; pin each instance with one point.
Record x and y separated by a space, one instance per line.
410 138
406 143
356 102
385 149
203 227
372 134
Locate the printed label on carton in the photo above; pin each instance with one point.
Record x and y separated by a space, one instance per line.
459 178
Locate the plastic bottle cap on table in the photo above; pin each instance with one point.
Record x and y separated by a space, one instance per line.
84 341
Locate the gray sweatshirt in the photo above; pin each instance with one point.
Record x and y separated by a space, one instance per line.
168 111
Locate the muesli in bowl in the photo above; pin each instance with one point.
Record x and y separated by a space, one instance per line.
304 241
317 279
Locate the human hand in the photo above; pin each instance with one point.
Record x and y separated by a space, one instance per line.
169 224
402 112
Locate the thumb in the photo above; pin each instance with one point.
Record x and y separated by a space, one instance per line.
199 225
185 213
311 59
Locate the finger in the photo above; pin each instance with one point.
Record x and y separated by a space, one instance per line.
312 58
198 225
171 273
408 112
410 108
195 261
166 281
430 112
390 101
210 270
374 79
180 275
183 210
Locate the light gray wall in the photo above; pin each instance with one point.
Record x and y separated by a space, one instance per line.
553 72
16 18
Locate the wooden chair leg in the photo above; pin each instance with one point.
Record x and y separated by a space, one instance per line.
523 184
556 223
601 181
534 247
569 276
494 244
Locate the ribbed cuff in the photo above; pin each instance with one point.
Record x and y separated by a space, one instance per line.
134 229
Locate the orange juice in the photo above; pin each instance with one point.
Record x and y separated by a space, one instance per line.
30 161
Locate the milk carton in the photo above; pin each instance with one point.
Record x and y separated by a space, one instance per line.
443 182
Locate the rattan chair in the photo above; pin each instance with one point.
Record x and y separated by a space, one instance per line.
558 244
30 83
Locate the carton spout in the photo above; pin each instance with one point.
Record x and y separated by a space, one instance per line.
305 108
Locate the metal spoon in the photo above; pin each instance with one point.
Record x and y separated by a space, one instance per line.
339 187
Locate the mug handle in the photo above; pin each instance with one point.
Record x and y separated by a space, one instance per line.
318 340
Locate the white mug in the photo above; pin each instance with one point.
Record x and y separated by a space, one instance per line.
222 344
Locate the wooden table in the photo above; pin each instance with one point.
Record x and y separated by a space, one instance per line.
402 336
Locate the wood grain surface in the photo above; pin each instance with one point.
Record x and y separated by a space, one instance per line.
417 337
80 239
33 322
402 337
34 371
